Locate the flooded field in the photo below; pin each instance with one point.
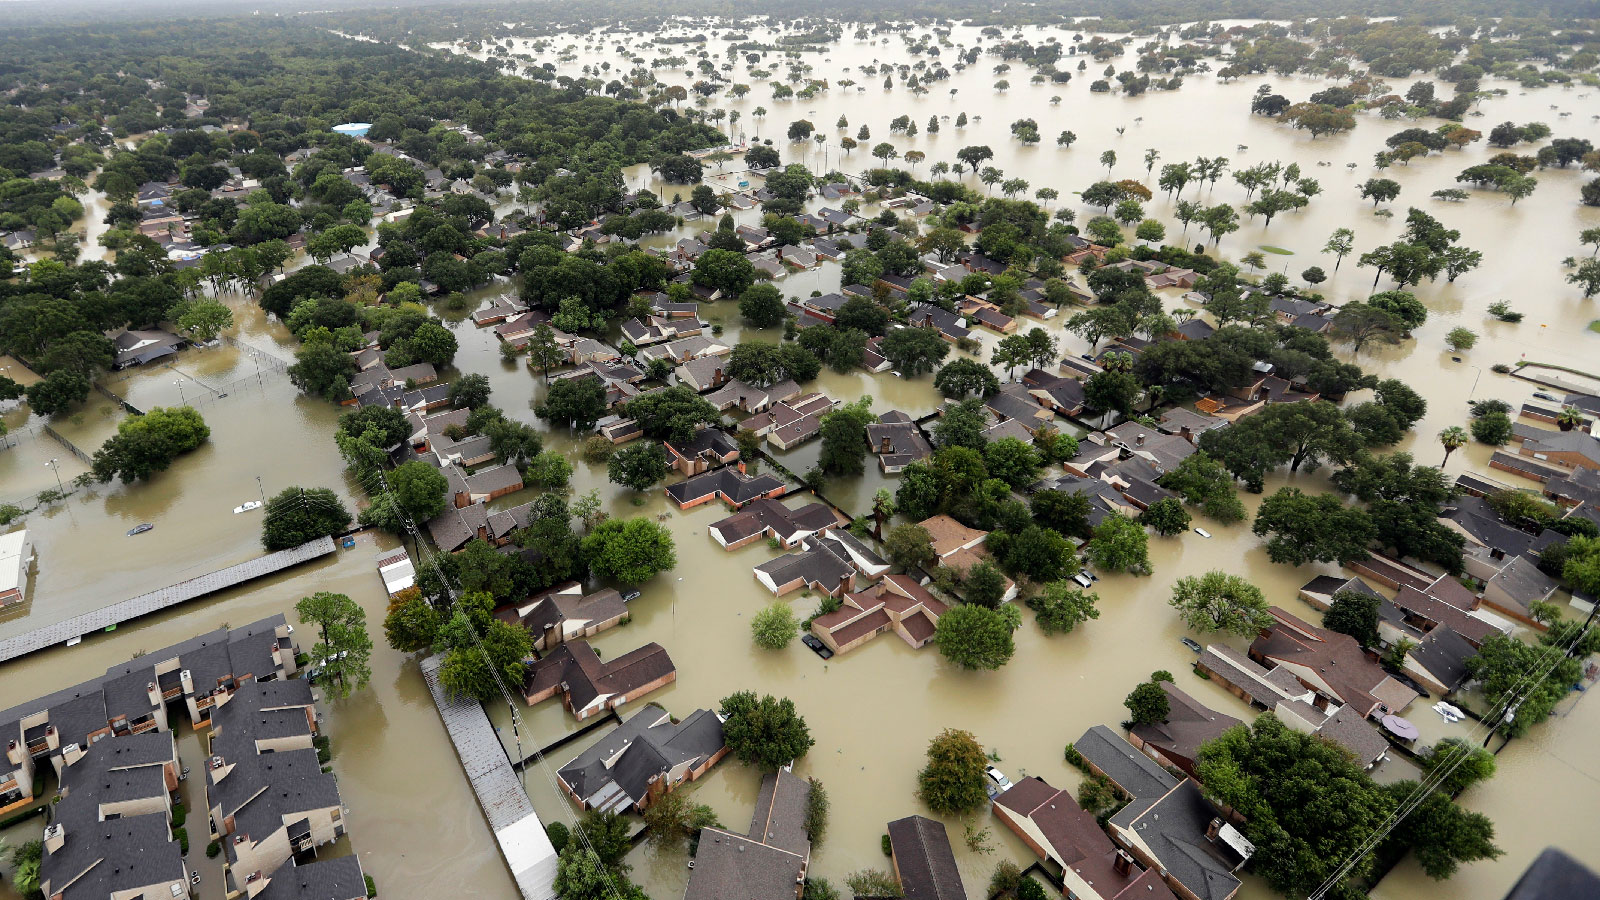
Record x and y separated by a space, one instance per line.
872 711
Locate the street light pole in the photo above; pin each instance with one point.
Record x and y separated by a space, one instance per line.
1475 378
54 465
182 399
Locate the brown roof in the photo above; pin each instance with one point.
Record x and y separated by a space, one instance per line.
576 665
919 626
1189 724
923 857
862 626
948 534
1337 659
1444 613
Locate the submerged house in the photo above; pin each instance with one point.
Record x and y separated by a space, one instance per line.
642 759
897 603
768 861
589 686
1057 830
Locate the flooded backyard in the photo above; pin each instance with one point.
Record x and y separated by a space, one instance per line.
413 819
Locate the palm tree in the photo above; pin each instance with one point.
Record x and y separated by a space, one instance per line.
1569 418
1453 439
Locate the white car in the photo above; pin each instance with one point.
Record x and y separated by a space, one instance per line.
997 778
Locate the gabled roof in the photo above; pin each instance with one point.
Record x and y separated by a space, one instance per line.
1132 772
924 860
1174 827
1188 725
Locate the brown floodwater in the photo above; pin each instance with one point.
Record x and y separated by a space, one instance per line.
872 711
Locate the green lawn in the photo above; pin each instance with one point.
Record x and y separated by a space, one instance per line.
1278 250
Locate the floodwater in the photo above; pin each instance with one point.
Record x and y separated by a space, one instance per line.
871 711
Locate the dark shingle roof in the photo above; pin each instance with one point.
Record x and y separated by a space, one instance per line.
923 857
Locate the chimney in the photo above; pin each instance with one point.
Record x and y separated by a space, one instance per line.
71 753
55 837
13 753
886 445
188 681
52 737
1186 434
1213 829
1139 441
153 693
844 583
1122 863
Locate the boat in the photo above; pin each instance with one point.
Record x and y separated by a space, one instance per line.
247 506
140 528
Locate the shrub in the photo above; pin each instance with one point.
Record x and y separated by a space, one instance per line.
372 886
558 835
887 849
212 849
1075 759
182 837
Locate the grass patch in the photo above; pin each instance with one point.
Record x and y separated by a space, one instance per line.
1595 326
1278 250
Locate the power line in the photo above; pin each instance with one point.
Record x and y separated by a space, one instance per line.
451 592
1504 709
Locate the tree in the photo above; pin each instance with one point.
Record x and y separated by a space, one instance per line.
1062 512
1460 339
1340 244
1204 482
1355 614
418 489
1166 517
1507 669
412 623
574 403
470 391
774 626
147 444
323 369
1453 438
1300 434
1147 704
963 378
471 663
914 350
1471 763
909 546
1587 275
1012 461
345 649
1061 607
671 821
1439 833
724 270
1119 545
202 319
977 637
985 585
1306 528
844 438
1217 601
762 306
673 414
630 551
1315 813
1108 158
27 860
1493 429
1360 323
1379 190
297 515
952 782
1110 391
765 732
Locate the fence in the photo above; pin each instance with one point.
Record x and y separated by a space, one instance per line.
71 447
260 356
117 399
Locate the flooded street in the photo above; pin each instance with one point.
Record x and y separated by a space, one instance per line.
414 820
